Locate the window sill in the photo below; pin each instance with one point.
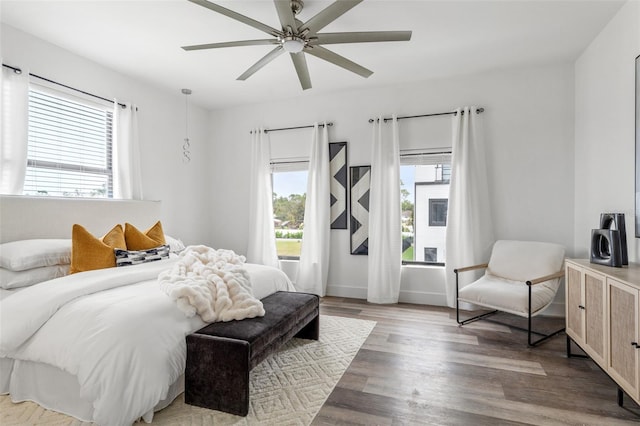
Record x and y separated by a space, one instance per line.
422 265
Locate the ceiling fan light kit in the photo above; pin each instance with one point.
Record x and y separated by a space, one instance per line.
297 37
293 44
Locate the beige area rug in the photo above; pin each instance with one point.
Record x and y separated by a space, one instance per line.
288 388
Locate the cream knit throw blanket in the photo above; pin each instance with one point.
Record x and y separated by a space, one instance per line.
212 283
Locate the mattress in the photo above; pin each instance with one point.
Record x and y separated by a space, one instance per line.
56 389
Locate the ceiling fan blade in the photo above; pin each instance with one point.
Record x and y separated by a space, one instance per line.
338 60
238 17
328 15
360 37
231 44
262 62
300 62
287 19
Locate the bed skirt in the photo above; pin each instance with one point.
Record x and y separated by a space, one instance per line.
59 391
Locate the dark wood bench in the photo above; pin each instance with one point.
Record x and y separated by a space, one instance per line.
220 355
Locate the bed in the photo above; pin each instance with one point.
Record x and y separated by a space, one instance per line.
105 345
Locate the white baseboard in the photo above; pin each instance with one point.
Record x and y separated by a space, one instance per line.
423 298
419 298
349 292
556 309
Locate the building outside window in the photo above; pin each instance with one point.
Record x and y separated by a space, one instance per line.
425 192
69 146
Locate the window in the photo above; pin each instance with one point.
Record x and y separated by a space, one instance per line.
430 254
424 180
69 146
289 196
438 212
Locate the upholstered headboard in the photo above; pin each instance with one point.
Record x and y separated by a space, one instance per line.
47 217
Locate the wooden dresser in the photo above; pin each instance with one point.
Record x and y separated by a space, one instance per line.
602 318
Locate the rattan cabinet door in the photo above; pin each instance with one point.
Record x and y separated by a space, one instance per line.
574 303
595 330
622 312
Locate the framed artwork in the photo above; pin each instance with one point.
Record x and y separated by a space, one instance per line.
338 186
360 178
638 146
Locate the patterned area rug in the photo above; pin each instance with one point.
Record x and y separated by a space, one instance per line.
287 388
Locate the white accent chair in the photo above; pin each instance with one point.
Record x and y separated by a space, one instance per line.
521 278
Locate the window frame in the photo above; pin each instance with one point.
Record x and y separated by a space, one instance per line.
53 96
284 165
412 158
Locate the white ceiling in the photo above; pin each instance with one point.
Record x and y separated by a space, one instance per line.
143 39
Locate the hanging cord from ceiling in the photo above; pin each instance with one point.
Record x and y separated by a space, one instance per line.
478 111
186 145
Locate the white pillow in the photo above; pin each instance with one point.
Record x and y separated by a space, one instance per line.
28 254
175 245
16 279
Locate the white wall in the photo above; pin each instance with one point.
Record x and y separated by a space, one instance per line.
529 134
604 128
182 188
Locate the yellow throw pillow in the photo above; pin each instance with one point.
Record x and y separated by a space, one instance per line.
89 253
151 238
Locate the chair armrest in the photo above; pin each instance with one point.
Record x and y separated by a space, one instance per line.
558 274
471 268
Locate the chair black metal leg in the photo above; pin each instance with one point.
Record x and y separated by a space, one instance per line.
468 320
545 337
529 328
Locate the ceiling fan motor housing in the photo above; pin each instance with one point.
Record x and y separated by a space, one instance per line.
296 6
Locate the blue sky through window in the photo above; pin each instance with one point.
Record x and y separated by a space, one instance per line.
287 183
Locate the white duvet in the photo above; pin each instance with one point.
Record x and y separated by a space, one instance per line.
114 329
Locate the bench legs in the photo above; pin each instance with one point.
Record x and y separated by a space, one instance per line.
217 374
310 331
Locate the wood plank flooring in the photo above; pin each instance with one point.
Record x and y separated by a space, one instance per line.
419 367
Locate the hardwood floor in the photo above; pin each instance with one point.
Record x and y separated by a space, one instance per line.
419 367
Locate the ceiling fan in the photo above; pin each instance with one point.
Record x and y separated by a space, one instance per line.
297 37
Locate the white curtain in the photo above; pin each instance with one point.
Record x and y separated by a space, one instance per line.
262 235
385 233
14 112
469 222
127 176
314 256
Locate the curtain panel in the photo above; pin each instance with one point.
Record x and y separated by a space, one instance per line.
313 267
469 235
127 175
14 115
385 233
262 236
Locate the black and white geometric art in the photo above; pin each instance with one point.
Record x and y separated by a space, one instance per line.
360 183
338 186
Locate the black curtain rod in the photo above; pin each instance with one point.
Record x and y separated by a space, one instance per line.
478 111
293 128
19 71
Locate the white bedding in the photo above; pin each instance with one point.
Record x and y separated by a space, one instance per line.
114 330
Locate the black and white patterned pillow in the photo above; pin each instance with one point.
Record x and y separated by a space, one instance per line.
135 257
